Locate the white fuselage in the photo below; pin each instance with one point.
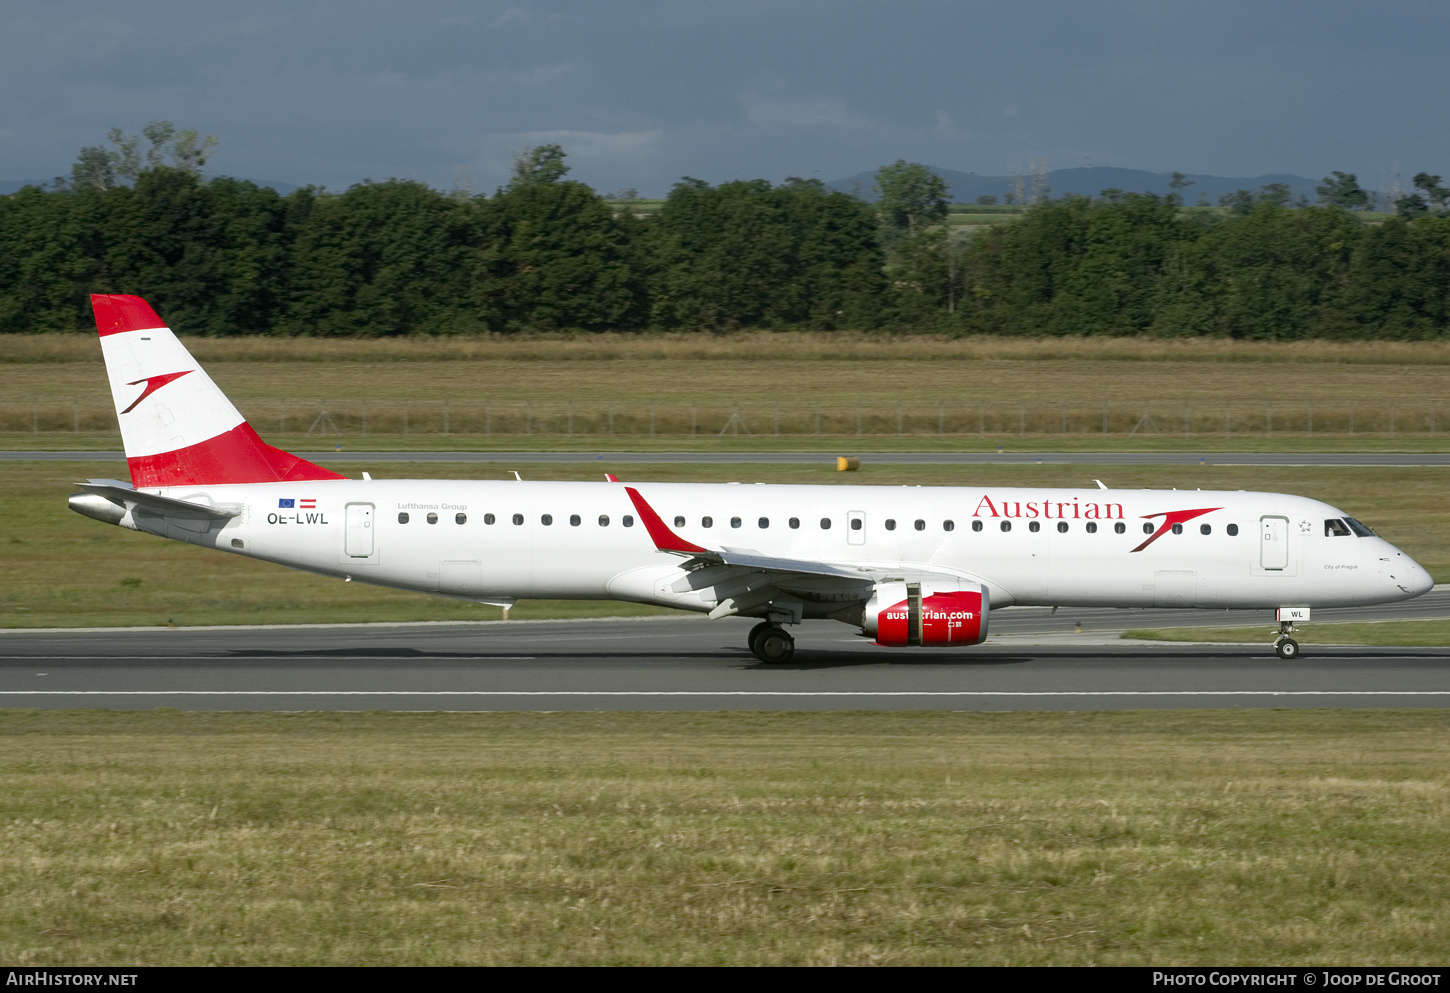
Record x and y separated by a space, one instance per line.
1244 550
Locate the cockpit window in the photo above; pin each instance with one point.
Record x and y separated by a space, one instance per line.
1358 528
1335 528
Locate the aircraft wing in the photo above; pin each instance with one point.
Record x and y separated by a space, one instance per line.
744 580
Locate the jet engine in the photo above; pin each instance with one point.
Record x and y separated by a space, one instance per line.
927 614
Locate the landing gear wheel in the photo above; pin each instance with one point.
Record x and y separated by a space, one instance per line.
755 634
774 645
1287 648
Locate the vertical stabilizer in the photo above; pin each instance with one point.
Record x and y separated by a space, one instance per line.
177 426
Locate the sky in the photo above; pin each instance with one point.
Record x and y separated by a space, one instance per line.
640 93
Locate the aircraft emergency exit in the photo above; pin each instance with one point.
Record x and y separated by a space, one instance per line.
906 565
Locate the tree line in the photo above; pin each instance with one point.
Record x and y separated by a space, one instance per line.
226 257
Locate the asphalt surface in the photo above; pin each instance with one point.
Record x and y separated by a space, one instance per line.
807 458
1034 661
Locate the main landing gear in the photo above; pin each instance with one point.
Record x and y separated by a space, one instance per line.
1284 646
771 643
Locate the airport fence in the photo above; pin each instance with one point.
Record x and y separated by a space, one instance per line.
359 418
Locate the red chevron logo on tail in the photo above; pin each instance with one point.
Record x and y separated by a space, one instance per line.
153 383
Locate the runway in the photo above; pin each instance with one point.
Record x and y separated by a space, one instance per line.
688 663
1387 459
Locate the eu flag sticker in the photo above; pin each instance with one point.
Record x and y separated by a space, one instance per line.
288 504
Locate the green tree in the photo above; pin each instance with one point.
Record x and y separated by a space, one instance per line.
909 197
1273 273
95 169
1239 202
1398 284
1278 194
541 164
553 255
746 254
387 258
45 270
1178 183
1073 266
1342 190
1436 194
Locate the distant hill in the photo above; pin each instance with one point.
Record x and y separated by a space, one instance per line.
13 185
8 186
1090 181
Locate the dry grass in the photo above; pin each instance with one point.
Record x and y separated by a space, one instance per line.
834 369
58 569
1167 838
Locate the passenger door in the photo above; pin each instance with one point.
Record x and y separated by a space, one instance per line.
358 543
1274 543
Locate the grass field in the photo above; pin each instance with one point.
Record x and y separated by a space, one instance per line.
58 569
1164 838
1404 633
910 391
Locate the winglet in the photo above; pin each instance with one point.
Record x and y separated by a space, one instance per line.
665 539
610 477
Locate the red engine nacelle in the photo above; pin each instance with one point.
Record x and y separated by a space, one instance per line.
927 614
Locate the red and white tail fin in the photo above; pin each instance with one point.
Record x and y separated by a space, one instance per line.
177 426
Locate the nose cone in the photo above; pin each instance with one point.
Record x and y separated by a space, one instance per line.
1418 581
1405 577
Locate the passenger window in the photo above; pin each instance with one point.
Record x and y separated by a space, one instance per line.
518 518
1178 529
734 522
763 523
1232 529
628 521
1148 528
1091 527
546 519
432 518
1062 527
855 524
460 518
574 520
976 525
707 522
488 518
825 524
1205 529
919 525
948 525
1006 525
794 522
604 520
679 521
1034 527
1335 528
403 517
1119 528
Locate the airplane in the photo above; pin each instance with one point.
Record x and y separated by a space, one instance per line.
905 565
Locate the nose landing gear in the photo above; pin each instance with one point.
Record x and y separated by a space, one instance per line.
1284 646
771 643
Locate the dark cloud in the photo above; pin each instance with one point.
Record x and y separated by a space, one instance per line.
640 93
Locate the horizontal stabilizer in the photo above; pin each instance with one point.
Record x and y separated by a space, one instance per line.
126 495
